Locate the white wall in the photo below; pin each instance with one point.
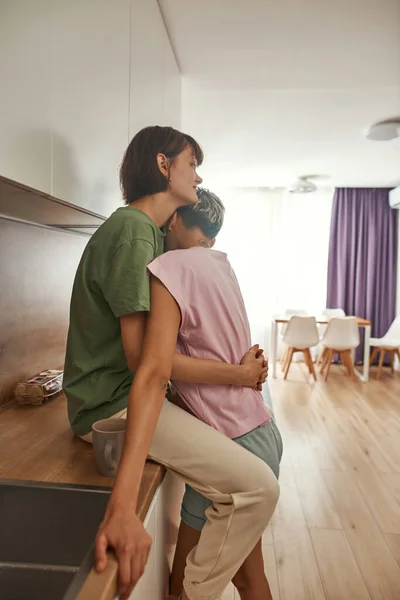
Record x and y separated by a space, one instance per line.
78 79
398 276
396 360
278 263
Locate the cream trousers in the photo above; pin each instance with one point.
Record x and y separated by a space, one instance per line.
242 488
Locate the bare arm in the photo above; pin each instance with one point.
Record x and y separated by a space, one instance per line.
150 383
197 370
121 528
186 368
132 333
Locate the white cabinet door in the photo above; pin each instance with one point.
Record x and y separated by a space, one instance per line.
147 65
79 79
155 77
90 100
25 73
162 523
145 587
172 87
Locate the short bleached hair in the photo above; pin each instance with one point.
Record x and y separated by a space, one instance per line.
207 214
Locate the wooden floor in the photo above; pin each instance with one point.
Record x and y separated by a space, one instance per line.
336 532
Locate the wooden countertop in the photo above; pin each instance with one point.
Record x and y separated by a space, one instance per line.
36 444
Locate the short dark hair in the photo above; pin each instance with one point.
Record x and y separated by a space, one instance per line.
207 214
139 174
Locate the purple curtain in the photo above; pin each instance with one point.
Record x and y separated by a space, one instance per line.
362 266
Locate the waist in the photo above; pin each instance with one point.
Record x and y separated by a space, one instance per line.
231 410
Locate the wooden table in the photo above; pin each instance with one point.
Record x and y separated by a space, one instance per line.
362 324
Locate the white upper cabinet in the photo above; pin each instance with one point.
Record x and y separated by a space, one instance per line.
79 79
155 79
172 87
147 66
90 99
25 83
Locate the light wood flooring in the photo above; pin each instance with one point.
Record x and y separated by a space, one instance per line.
336 532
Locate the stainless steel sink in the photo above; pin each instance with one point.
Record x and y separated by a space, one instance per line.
46 538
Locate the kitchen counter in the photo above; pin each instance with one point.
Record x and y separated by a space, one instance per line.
36 444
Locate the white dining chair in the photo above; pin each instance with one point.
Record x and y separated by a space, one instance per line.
341 337
329 313
389 343
301 334
333 312
290 312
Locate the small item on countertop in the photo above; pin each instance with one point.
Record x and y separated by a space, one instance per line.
41 386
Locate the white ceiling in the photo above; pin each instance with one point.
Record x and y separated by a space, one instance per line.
274 89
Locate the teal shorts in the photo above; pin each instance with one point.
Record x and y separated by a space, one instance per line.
265 442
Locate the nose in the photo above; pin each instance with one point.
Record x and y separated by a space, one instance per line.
198 179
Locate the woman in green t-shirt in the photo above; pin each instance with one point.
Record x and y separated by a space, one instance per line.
106 341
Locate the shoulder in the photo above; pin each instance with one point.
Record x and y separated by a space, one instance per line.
136 225
127 225
175 259
191 259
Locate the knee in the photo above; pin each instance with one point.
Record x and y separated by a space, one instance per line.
268 493
271 486
260 489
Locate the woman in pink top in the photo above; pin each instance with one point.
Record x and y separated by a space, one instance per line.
213 325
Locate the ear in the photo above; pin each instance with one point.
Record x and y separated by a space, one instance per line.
212 243
163 164
172 222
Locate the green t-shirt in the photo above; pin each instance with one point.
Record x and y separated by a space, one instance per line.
111 281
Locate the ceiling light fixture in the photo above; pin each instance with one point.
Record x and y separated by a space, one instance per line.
302 186
384 130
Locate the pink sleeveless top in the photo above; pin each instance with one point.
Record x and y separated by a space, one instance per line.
214 326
